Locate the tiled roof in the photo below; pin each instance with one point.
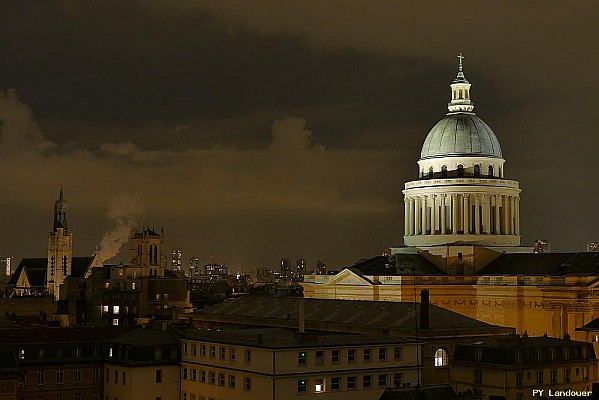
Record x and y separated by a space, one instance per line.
397 264
558 264
341 315
277 338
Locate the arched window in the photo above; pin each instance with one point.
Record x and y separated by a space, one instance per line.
460 95
441 358
490 170
444 171
476 170
430 172
460 170
467 94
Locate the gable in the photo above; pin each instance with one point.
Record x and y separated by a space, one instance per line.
22 281
350 278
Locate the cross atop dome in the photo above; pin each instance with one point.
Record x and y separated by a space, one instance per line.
460 91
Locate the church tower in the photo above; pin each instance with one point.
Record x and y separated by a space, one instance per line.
60 249
461 196
147 253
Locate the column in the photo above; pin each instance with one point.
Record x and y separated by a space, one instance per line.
512 215
443 216
416 215
497 219
433 214
487 220
465 213
406 214
423 207
454 213
476 213
517 210
504 227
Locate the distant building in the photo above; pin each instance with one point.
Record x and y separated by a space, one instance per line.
285 268
6 265
278 364
513 368
214 269
147 254
194 268
320 268
300 269
176 259
593 247
541 246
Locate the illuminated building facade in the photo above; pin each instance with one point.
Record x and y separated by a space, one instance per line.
462 241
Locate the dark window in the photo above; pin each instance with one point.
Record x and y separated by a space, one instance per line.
351 382
539 377
397 353
351 356
335 356
158 376
382 354
490 170
430 172
319 357
367 381
335 383
460 170
397 378
476 170
519 378
444 171
367 355
478 376
382 379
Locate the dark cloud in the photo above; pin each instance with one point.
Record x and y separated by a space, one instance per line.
256 130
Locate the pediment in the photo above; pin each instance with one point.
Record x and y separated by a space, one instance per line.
348 277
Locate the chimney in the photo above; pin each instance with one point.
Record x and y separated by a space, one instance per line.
424 309
302 316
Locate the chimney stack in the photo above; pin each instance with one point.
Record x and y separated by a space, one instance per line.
302 316
424 309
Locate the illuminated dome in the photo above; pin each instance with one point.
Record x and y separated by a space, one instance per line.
461 134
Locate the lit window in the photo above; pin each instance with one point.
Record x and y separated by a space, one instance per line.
301 358
105 309
115 321
319 385
115 309
302 386
110 352
107 285
133 285
440 358
22 354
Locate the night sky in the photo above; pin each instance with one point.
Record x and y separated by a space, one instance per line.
255 130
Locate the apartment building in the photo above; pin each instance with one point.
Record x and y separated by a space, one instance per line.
279 364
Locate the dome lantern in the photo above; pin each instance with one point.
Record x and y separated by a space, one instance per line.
460 91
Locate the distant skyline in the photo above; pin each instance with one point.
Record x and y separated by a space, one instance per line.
261 130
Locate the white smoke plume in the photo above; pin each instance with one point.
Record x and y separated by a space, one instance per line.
124 211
